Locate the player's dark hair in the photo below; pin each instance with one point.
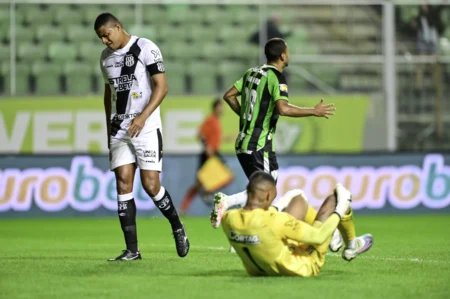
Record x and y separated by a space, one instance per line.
216 103
258 178
274 48
105 18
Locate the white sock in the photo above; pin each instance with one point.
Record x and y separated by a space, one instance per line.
285 200
237 199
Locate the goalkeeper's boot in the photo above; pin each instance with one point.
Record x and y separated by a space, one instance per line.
127 255
181 241
357 246
219 208
336 241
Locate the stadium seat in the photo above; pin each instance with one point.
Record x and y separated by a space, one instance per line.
66 14
203 77
231 71
4 14
28 52
202 33
243 15
179 13
78 77
38 17
242 50
4 53
23 34
91 52
47 34
176 73
76 33
173 33
60 52
48 78
146 31
126 14
4 32
180 50
89 13
234 34
217 15
22 77
213 51
154 14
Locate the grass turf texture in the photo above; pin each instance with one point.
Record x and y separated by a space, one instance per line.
66 258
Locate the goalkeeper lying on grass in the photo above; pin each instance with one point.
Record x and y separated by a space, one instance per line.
292 242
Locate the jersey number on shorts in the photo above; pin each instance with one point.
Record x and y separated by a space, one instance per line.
250 101
247 252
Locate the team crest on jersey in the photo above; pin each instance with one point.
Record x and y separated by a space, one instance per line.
283 88
129 60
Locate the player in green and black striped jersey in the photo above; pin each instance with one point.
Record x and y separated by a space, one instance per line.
264 97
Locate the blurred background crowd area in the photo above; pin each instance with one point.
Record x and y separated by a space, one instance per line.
207 47
52 49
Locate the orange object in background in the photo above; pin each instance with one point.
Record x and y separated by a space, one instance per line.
214 174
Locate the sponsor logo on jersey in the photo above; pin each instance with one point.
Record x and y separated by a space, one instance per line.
124 116
156 53
136 95
161 66
150 154
108 66
244 239
129 60
119 64
122 83
283 88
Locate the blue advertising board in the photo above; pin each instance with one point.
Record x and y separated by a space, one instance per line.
64 185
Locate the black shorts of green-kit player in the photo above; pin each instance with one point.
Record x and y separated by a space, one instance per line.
258 161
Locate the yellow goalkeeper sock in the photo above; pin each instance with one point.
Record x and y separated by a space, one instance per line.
347 227
310 215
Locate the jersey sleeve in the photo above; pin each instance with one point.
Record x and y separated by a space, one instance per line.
239 85
102 69
152 58
300 231
278 87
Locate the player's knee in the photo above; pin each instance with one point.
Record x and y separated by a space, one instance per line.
151 187
124 187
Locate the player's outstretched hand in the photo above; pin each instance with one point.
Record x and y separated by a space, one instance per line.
324 110
136 126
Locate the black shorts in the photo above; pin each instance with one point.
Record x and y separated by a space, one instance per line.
259 160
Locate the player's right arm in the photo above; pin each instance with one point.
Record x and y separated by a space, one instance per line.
107 104
231 98
300 231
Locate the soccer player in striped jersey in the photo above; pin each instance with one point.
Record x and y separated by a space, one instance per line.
135 86
264 97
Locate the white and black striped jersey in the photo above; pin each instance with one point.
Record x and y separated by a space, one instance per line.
128 72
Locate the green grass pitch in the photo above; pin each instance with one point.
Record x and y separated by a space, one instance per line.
66 258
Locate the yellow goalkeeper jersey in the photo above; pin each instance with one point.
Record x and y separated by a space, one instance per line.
273 243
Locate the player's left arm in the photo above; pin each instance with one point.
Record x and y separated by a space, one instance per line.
159 92
300 231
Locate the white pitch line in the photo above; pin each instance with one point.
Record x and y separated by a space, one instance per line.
367 257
